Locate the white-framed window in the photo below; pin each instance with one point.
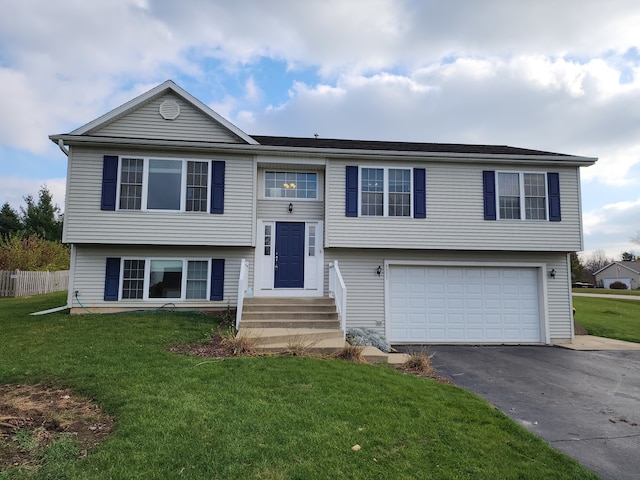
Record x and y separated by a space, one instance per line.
168 278
385 192
290 185
522 195
163 184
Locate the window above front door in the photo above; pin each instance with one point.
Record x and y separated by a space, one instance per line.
290 185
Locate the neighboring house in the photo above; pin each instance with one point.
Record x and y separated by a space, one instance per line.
625 272
435 242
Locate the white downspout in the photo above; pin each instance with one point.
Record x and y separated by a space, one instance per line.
61 147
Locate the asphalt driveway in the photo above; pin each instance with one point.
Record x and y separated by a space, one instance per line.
585 404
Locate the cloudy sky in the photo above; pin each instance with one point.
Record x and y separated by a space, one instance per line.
557 76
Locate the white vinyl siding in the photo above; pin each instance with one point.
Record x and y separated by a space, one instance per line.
146 122
366 290
455 214
86 223
90 261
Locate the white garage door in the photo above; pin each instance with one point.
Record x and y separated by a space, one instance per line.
464 304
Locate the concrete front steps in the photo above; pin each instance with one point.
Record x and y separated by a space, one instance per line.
298 325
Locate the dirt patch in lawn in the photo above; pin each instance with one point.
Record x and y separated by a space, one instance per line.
213 348
35 417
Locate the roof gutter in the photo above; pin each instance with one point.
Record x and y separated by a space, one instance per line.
111 142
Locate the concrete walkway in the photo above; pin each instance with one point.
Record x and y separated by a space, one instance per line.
604 295
593 343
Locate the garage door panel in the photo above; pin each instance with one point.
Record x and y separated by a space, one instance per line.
473 305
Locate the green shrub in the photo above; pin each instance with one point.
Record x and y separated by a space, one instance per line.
33 254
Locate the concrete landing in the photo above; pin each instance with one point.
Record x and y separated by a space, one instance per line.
593 343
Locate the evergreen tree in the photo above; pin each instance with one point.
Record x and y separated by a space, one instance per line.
42 219
577 269
10 223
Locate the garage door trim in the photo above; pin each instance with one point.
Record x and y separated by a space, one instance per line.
541 269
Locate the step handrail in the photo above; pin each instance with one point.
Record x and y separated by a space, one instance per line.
338 291
243 287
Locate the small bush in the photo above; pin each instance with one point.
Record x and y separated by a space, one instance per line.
366 337
33 254
618 286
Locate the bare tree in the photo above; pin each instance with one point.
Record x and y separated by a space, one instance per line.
596 261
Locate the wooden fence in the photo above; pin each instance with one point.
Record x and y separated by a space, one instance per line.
22 284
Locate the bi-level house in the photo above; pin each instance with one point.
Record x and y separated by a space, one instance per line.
169 203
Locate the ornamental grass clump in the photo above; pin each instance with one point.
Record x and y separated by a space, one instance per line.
351 353
419 364
237 345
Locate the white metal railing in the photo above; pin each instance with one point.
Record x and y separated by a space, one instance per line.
338 290
243 287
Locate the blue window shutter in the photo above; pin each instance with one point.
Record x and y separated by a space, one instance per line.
489 188
112 280
217 279
553 186
419 193
109 182
217 187
351 200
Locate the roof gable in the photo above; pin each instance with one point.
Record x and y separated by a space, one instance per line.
632 266
166 112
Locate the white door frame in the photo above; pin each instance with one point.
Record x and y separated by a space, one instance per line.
263 278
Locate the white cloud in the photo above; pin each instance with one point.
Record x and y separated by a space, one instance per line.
611 227
466 71
14 189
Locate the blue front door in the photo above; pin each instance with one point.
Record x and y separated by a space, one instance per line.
289 259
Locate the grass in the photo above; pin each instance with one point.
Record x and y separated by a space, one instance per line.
255 417
609 317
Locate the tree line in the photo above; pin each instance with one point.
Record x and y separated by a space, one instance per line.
39 218
583 267
31 238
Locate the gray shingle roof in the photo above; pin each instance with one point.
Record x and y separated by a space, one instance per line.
301 142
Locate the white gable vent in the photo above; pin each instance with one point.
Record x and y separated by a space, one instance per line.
169 110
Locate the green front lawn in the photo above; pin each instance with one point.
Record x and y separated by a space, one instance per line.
262 418
609 317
